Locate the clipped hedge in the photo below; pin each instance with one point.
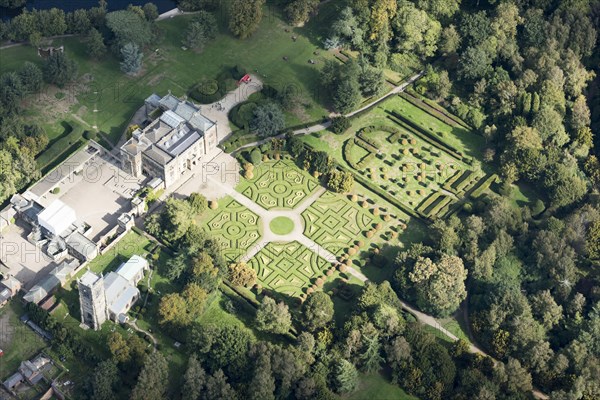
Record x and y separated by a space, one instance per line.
464 177
436 209
241 115
465 183
484 185
454 178
425 135
429 201
205 92
435 112
377 190
365 145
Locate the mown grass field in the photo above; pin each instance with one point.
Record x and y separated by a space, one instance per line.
17 340
107 99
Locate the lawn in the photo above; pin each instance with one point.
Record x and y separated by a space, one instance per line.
17 340
375 386
422 162
278 185
132 243
107 99
281 225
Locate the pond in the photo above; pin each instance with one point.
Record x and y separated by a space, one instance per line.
71 5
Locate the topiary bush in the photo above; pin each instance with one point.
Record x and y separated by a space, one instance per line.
241 115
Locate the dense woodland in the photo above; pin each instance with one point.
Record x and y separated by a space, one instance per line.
524 74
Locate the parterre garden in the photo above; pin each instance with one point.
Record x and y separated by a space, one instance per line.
288 268
235 228
278 184
340 224
335 222
417 153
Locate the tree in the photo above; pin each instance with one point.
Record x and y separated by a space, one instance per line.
173 310
59 69
474 63
176 218
317 311
104 379
564 183
545 309
580 113
592 244
50 22
340 124
346 96
262 385
11 93
129 27
204 272
344 376
118 347
224 347
592 170
268 120
23 25
217 388
298 11
153 380
31 77
370 80
242 275
513 376
195 298
245 17
35 39
95 44
370 359
273 317
340 182
200 30
150 11
348 29
289 97
198 202
78 21
132 59
194 379
12 3
416 32
440 286
255 156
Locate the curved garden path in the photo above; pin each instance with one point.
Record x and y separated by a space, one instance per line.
324 125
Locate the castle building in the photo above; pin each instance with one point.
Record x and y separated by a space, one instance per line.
177 138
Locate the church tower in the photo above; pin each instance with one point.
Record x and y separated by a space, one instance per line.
92 300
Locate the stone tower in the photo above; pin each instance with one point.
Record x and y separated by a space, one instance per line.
92 300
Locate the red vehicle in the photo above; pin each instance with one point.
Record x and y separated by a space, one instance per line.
245 79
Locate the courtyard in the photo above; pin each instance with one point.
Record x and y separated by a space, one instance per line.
97 189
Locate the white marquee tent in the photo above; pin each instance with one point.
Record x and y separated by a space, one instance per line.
57 217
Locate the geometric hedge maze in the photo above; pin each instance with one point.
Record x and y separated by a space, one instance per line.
235 229
287 267
279 185
335 222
